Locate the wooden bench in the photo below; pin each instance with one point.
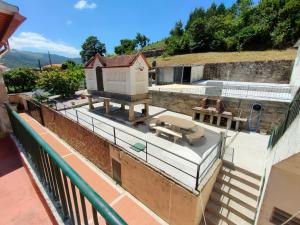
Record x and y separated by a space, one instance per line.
167 131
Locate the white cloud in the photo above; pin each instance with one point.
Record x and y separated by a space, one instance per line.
84 4
30 40
69 22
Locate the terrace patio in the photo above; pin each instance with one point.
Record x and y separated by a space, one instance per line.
179 160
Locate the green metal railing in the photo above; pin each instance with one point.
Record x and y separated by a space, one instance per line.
65 187
290 116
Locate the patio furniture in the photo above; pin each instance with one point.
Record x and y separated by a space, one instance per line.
178 122
153 122
194 136
164 130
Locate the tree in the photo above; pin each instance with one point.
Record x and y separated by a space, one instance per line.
127 47
90 47
62 82
142 40
177 30
20 80
68 64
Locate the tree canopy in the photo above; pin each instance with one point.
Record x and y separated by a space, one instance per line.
90 47
20 80
268 24
129 46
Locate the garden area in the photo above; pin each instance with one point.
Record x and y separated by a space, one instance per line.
63 81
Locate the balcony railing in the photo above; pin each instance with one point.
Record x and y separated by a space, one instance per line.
61 181
185 170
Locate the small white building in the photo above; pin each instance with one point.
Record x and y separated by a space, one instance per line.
122 79
179 74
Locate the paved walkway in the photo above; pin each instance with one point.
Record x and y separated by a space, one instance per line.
132 211
19 202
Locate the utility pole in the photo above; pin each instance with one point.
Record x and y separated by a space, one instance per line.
39 62
50 62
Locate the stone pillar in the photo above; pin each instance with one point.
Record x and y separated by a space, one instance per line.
211 119
131 115
106 105
218 120
202 117
229 121
146 107
90 100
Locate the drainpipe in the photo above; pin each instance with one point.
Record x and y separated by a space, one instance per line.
5 50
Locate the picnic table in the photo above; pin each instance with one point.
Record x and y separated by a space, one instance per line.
177 122
178 128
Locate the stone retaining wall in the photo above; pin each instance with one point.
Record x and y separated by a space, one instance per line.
273 112
262 71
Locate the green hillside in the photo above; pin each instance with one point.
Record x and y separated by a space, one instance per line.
17 58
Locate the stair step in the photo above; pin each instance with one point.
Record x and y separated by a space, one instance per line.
210 219
245 189
245 203
241 170
233 186
238 183
218 212
243 179
232 192
234 208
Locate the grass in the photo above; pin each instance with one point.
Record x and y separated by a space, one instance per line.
222 57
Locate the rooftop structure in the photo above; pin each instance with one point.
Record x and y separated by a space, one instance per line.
122 79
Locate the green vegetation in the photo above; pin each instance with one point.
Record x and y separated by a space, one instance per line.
270 24
129 46
62 82
224 57
20 80
156 45
90 47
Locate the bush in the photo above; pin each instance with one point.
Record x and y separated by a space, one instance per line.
20 80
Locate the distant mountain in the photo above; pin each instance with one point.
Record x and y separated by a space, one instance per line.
17 58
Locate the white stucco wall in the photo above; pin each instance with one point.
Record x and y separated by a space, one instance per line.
90 76
197 73
295 77
138 78
117 80
122 80
166 74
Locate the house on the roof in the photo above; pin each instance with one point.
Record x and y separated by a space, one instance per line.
122 79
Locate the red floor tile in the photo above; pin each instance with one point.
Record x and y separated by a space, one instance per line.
19 203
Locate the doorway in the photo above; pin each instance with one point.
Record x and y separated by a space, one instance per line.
186 78
99 77
116 166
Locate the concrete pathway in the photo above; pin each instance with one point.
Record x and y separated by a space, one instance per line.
19 202
129 208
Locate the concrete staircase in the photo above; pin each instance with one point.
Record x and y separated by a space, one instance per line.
233 200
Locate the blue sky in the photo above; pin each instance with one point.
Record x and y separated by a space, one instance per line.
61 26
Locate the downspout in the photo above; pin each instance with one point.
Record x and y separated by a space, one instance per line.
6 49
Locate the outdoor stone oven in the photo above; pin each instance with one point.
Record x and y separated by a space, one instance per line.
122 79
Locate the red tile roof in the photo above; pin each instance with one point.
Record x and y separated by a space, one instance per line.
117 61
